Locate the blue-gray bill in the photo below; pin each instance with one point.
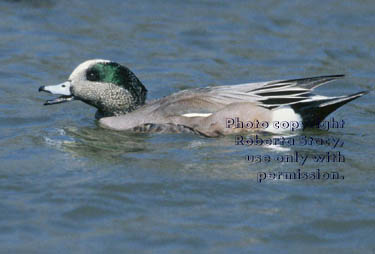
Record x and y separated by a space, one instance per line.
62 89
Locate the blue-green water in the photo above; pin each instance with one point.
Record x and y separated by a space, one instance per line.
67 185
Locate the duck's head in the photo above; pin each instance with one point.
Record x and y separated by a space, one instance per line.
110 87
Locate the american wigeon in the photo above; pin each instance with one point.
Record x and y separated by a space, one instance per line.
120 98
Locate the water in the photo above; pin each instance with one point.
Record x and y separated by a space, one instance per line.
67 185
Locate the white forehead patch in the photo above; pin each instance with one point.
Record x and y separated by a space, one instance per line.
79 72
197 114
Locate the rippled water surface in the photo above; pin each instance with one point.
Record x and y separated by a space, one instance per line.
66 185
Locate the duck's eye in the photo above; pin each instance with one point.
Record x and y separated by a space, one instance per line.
92 75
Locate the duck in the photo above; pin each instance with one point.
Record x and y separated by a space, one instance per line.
120 99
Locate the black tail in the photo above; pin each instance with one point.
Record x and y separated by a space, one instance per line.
312 82
314 111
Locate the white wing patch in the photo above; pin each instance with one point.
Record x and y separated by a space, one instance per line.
197 114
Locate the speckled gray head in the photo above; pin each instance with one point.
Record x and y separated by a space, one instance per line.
110 87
